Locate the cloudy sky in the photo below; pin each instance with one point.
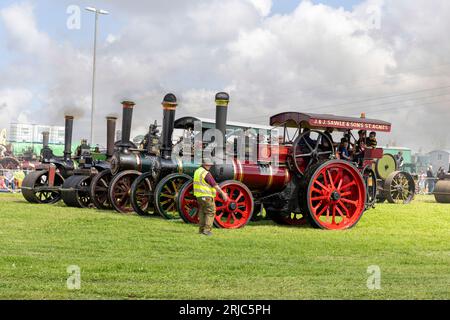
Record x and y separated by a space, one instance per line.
389 59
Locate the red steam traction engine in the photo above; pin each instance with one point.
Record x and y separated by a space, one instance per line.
308 185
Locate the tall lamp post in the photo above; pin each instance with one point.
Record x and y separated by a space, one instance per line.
97 13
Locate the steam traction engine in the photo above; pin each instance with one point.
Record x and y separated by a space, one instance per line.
308 185
75 191
44 184
60 177
393 185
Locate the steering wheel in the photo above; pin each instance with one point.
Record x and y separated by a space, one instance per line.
307 151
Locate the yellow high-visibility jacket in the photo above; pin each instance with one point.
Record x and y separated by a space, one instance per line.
201 187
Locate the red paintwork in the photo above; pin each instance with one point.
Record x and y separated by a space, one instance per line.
342 213
323 121
373 153
267 153
261 178
229 218
189 205
51 175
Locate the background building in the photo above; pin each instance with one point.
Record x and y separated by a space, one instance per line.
32 133
440 158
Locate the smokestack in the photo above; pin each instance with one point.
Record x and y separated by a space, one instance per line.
126 120
222 101
110 135
68 138
169 108
45 139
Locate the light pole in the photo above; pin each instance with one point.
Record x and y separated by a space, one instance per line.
97 13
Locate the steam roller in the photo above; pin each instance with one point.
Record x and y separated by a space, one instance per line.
442 190
394 186
44 184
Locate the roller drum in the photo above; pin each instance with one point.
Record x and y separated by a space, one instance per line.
442 191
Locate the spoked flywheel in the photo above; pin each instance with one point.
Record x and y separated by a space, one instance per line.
75 191
119 191
399 187
142 194
333 195
99 190
309 149
37 187
166 195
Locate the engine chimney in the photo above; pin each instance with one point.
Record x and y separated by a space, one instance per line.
45 139
169 108
110 135
126 120
68 138
222 101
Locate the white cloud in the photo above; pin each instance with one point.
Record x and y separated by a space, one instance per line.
314 56
14 104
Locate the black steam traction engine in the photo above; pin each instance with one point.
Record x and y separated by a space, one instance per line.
308 185
148 179
57 178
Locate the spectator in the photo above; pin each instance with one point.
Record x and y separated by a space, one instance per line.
9 180
441 174
371 141
19 175
399 159
430 179
3 187
325 142
343 150
360 147
422 180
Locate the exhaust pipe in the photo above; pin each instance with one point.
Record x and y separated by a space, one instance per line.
126 121
68 138
110 135
222 101
169 109
45 139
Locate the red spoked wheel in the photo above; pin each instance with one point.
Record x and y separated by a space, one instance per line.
335 195
238 210
119 191
187 204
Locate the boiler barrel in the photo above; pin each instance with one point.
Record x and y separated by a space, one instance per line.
442 191
259 178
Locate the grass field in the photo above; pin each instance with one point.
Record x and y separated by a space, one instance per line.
128 257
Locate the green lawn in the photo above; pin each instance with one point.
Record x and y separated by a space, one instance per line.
128 257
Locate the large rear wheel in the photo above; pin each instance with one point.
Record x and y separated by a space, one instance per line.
334 195
399 188
120 191
75 191
99 190
36 187
166 195
142 195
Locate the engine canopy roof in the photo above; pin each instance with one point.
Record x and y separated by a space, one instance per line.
323 121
